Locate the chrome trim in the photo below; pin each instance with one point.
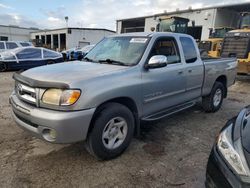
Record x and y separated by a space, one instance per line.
26 93
29 89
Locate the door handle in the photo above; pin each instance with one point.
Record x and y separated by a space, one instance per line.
190 70
180 72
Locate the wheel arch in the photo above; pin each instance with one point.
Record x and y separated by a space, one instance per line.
126 101
223 79
3 66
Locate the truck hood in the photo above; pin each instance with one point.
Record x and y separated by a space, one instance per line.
69 72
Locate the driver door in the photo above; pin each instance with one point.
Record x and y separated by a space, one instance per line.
164 87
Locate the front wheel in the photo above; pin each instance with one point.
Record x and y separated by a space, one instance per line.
213 102
113 129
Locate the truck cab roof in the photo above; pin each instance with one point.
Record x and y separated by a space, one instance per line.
150 34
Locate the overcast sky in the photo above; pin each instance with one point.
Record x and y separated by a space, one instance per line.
89 13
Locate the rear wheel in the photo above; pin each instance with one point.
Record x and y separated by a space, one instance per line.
3 67
213 102
112 131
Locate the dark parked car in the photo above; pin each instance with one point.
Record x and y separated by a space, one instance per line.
229 161
28 57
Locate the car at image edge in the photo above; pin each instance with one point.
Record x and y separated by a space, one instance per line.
229 162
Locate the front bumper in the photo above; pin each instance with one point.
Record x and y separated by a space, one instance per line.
70 126
220 175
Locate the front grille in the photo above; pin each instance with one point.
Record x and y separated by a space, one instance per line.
26 93
235 47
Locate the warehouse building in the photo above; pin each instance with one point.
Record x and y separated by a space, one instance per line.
15 33
201 22
65 38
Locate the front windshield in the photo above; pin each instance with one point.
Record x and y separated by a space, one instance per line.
8 55
167 26
245 22
219 33
173 25
127 50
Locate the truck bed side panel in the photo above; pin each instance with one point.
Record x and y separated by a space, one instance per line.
214 68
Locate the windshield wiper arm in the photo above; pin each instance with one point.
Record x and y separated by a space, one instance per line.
111 61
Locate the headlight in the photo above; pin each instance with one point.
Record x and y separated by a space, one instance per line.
233 152
60 97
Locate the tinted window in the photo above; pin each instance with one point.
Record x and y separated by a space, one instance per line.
25 44
168 48
11 45
49 54
189 49
29 53
1 45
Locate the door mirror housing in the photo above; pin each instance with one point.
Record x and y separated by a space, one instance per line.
157 61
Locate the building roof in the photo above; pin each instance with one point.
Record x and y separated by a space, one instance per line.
16 26
239 7
77 28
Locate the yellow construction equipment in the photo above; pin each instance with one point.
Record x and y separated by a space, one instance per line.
237 44
213 44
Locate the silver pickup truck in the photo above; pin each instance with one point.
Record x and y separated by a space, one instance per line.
123 80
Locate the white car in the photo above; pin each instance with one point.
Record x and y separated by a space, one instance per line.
8 45
86 49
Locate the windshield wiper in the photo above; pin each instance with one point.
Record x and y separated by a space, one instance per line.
114 62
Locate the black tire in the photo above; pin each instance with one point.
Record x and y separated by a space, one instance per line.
208 103
3 67
95 144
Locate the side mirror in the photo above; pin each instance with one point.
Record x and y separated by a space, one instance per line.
157 61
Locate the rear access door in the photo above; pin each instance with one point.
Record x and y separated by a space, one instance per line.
194 68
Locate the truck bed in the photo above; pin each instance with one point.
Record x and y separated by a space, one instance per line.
218 67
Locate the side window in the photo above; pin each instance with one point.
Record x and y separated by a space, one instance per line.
29 53
189 49
2 46
11 45
49 54
167 47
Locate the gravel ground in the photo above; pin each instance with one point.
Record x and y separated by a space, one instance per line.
172 152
